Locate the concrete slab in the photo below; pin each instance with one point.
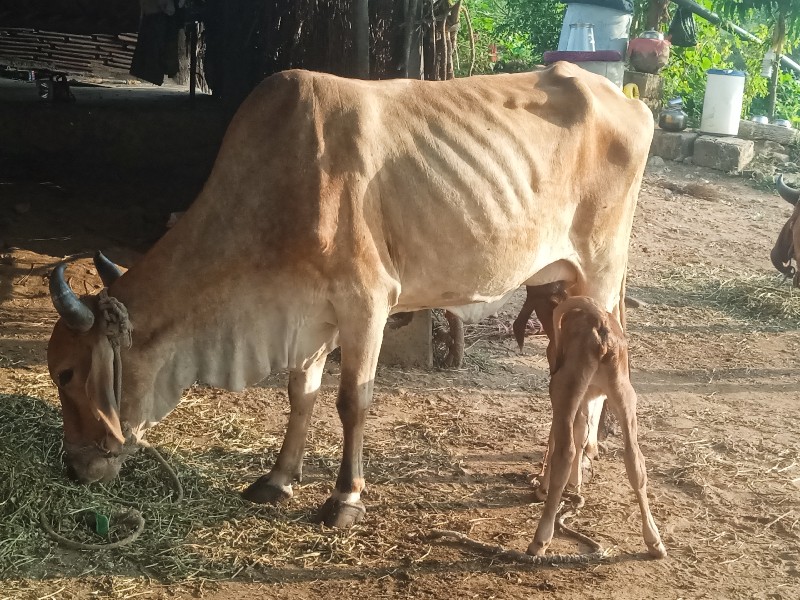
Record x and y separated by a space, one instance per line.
750 130
723 153
410 345
673 145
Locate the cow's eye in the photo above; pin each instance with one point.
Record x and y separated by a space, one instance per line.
64 377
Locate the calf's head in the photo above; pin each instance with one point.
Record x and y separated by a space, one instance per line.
80 357
785 249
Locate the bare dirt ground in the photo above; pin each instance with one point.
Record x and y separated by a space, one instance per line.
719 415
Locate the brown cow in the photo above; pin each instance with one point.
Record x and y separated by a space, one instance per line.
588 350
334 203
788 243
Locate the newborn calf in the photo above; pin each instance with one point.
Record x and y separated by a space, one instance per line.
589 350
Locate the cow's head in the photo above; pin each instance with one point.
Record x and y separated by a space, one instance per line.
80 357
785 249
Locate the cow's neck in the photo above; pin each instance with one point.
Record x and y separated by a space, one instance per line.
196 320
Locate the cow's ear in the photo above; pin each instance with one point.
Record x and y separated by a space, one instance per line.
100 389
783 250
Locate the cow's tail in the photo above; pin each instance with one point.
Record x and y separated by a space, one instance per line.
623 321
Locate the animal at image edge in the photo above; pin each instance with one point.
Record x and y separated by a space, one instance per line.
334 203
788 243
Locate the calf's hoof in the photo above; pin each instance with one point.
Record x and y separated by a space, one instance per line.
335 513
261 491
540 493
587 469
657 550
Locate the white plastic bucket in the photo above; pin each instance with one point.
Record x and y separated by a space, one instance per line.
722 104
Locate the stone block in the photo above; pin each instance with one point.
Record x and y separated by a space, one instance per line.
723 153
651 88
673 145
750 130
410 345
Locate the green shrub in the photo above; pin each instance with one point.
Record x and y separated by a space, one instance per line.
788 102
685 76
521 30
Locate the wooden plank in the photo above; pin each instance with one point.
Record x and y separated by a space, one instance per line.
69 55
75 45
20 45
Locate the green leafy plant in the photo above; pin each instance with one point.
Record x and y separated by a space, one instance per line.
685 76
788 100
782 18
519 31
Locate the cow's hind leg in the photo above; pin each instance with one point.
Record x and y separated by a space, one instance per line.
543 299
277 486
455 345
360 334
623 402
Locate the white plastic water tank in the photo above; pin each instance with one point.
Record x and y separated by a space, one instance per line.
722 104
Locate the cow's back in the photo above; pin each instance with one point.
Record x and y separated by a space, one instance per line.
476 183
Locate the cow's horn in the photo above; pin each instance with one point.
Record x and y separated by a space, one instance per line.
107 270
789 194
75 313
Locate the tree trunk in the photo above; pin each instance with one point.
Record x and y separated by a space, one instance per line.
778 39
773 86
657 14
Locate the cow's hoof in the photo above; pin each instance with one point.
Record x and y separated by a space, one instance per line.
537 548
262 491
454 359
335 513
657 550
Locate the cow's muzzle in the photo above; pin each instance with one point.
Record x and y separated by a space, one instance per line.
91 464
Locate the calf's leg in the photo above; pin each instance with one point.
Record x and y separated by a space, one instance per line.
567 388
543 299
623 402
277 486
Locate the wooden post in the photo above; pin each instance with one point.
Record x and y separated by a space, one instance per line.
192 60
361 41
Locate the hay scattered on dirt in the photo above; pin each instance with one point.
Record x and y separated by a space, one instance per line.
212 534
764 301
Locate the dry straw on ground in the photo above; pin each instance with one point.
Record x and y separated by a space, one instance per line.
217 446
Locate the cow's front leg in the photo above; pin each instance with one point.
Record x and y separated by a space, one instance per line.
361 344
277 486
